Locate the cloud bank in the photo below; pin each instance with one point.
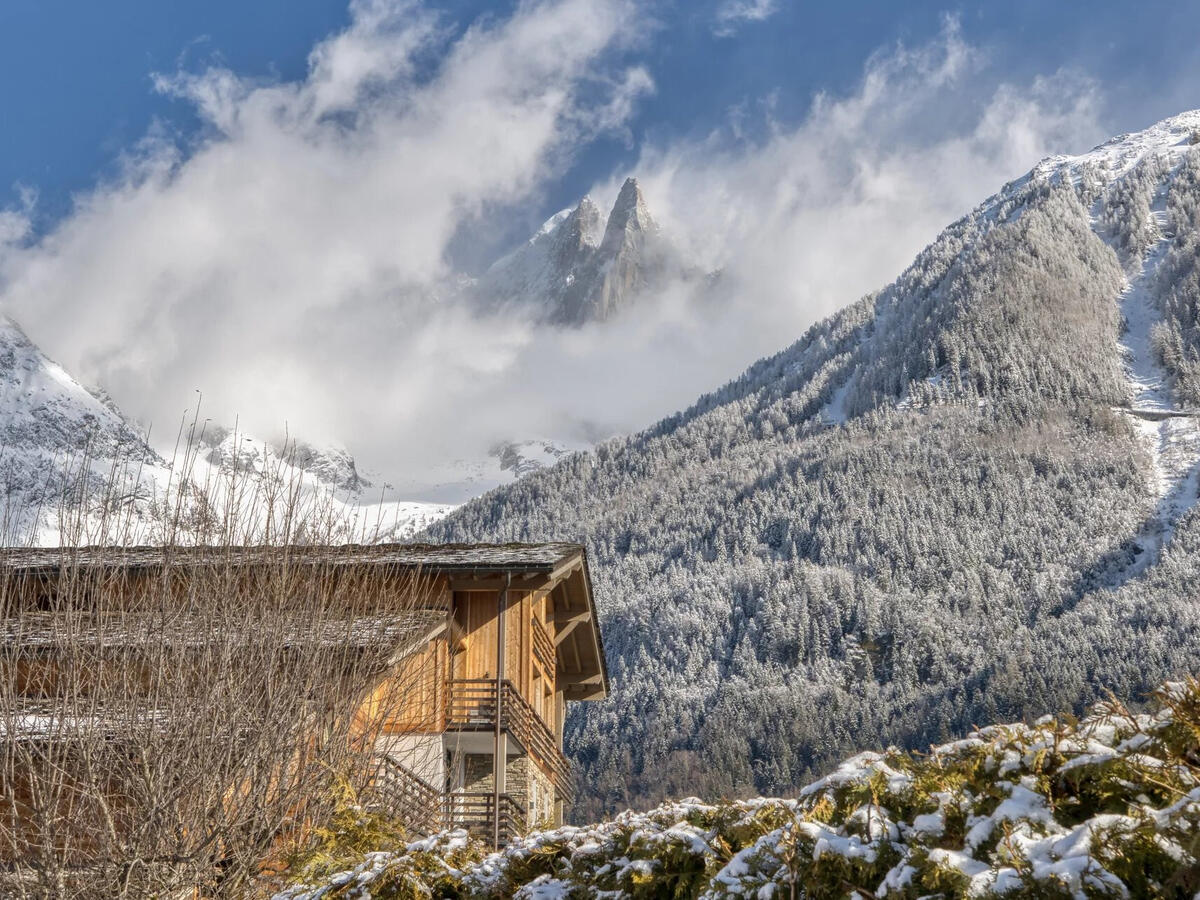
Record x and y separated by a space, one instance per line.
295 266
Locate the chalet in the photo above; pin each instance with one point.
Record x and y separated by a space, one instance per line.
478 650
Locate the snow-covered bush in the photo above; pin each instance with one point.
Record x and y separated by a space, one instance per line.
1106 806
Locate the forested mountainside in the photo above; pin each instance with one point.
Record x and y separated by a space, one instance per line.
963 499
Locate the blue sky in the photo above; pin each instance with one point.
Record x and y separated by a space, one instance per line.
276 203
79 91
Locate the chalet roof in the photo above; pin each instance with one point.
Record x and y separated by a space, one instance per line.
474 558
558 565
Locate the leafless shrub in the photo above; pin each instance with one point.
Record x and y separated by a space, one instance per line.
175 726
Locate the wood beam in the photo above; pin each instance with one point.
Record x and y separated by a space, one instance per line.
536 581
578 659
565 626
500 751
583 693
458 637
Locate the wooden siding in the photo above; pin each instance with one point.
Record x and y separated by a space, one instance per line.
412 696
475 613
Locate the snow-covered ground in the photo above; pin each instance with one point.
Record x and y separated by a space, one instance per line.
1121 154
1170 434
1172 440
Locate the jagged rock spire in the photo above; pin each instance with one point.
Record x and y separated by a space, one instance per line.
580 267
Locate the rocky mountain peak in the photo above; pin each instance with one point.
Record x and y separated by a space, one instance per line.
585 222
580 267
629 214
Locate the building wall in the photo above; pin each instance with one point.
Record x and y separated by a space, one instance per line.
477 773
533 789
524 781
475 613
421 754
412 696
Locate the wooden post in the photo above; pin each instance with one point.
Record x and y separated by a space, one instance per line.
560 714
500 757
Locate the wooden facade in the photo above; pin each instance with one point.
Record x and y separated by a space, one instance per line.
464 711
481 736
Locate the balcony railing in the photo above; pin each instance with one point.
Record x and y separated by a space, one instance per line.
404 795
472 707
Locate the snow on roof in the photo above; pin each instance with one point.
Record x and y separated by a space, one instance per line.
45 631
542 557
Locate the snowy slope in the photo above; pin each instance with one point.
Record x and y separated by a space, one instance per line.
59 438
454 480
74 469
1141 167
325 482
965 497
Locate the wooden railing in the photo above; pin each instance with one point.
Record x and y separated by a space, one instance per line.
404 795
471 706
475 811
543 647
529 728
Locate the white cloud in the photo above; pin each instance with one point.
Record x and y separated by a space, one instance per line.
732 14
286 265
819 214
294 265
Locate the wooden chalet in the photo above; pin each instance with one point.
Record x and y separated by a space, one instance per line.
487 646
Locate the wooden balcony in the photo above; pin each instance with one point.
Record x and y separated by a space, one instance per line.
471 706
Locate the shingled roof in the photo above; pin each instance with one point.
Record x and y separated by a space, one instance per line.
544 564
473 558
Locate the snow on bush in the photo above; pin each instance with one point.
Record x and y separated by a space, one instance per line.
1108 806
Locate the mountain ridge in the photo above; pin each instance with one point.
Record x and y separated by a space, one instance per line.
74 468
951 449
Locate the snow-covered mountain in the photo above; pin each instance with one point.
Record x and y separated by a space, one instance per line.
968 497
327 480
60 439
456 479
73 468
579 268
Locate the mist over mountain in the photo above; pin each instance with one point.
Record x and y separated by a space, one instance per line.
577 270
967 497
74 469
581 268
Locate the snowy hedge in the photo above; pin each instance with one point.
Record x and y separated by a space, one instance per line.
1104 807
